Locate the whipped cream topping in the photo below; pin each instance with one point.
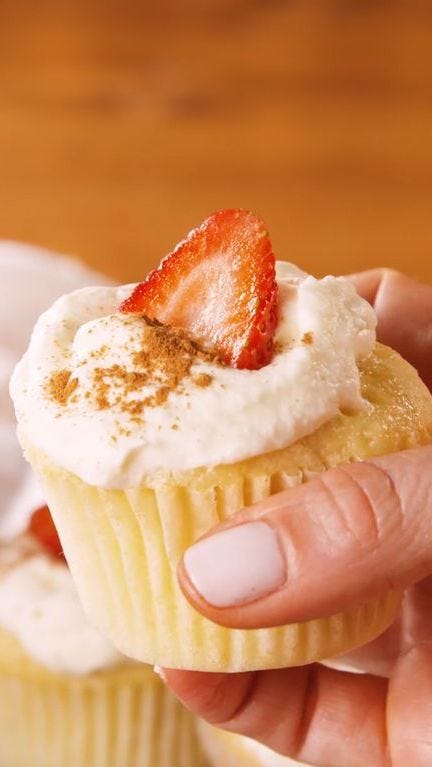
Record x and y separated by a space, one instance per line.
93 395
40 607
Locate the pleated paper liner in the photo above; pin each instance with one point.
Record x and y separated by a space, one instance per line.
224 749
123 547
121 717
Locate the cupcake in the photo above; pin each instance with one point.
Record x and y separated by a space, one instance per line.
225 748
67 697
153 412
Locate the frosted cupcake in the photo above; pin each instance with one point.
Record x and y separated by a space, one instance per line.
225 748
67 697
151 413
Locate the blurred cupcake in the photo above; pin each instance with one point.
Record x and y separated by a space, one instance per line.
144 437
67 697
229 750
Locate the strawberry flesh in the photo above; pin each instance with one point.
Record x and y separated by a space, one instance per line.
41 525
219 284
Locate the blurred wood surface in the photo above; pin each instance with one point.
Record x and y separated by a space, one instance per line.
124 124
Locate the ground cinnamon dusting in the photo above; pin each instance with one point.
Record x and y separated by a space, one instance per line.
307 338
60 386
98 353
163 363
165 360
203 380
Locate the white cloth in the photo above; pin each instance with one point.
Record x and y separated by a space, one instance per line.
31 279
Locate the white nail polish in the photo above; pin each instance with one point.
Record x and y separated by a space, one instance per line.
237 565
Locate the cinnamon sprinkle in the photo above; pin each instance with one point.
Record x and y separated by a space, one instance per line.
60 386
163 363
307 338
203 380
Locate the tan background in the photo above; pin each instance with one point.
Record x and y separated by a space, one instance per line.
124 124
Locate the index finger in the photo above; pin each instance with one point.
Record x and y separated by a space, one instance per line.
311 713
404 309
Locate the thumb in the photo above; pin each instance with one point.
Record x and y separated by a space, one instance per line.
341 539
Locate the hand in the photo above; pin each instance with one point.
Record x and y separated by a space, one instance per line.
379 516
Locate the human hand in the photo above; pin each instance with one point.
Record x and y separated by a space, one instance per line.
379 516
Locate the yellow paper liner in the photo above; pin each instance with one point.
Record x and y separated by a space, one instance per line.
121 717
125 571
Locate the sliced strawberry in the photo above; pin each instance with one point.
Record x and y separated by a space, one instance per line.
41 525
219 284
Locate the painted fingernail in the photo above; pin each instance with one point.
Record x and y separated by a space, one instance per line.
237 565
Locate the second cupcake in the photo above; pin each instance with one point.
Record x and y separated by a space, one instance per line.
67 697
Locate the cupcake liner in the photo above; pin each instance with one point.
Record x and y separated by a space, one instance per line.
121 717
124 546
125 571
229 750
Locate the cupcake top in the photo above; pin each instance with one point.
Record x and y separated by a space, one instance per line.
114 393
40 607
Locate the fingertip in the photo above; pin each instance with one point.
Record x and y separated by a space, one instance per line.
189 686
211 696
367 283
231 568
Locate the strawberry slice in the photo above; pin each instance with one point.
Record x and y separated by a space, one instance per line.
219 284
41 525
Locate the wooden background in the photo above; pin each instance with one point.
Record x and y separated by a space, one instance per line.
124 124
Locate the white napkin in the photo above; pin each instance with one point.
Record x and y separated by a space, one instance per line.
31 279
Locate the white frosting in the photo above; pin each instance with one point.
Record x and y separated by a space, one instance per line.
40 607
241 414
